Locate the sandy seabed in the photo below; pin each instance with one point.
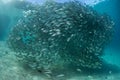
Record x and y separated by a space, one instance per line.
11 70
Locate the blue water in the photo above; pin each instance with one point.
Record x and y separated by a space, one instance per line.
111 7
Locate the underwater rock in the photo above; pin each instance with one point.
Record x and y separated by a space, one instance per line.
54 35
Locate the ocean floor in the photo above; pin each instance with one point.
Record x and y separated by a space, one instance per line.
11 70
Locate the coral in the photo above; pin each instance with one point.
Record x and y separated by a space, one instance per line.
58 34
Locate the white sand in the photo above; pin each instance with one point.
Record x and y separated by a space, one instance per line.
11 70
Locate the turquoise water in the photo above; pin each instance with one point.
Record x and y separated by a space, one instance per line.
37 44
111 7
